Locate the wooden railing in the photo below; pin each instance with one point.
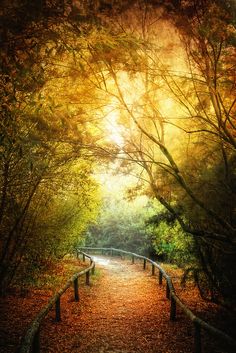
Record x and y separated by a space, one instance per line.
198 324
31 340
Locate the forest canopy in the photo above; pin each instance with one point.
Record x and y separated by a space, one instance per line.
148 83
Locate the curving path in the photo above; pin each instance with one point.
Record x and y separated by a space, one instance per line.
123 311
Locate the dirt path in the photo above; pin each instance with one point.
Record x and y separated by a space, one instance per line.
123 311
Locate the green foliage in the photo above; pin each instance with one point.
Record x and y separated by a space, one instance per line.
122 224
68 211
172 244
47 194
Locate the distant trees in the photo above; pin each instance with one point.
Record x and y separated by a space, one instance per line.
122 224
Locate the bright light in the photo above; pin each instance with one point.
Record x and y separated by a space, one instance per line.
114 130
113 182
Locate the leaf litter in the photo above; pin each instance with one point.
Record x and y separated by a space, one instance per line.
124 310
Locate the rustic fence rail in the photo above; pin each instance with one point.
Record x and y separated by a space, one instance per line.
31 340
198 324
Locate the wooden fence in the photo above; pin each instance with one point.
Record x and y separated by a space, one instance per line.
198 324
31 340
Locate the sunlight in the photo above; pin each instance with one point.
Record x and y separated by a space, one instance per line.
169 106
101 261
113 128
115 183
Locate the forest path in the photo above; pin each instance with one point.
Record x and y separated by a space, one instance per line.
123 311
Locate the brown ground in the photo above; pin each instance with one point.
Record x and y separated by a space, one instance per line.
123 311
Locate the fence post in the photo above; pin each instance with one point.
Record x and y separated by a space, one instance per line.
172 308
197 338
160 277
58 309
144 264
83 258
87 278
77 254
167 291
93 270
153 270
132 259
76 289
36 343
111 252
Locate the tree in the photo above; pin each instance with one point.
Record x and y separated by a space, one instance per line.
177 116
42 140
183 154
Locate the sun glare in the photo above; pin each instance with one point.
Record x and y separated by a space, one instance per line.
114 130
